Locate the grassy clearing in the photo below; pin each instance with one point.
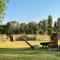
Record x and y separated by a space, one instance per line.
18 44
17 54
17 51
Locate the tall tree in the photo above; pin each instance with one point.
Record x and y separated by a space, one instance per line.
58 25
44 26
40 27
40 24
55 29
49 24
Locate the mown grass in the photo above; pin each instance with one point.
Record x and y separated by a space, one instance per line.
22 54
19 44
15 51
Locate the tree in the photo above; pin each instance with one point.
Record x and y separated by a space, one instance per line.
13 27
49 24
55 27
23 27
40 27
44 26
32 27
3 6
50 21
40 24
58 25
3 31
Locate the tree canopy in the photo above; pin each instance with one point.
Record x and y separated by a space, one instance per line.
3 7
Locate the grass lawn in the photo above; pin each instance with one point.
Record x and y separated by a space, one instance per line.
18 44
21 44
15 51
21 54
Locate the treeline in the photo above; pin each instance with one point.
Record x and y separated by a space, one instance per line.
45 26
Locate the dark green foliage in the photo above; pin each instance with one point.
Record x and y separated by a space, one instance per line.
58 25
32 27
23 28
43 27
55 27
49 24
2 29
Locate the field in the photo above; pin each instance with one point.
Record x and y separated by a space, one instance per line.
16 50
17 54
19 44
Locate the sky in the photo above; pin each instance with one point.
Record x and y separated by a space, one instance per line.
24 11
